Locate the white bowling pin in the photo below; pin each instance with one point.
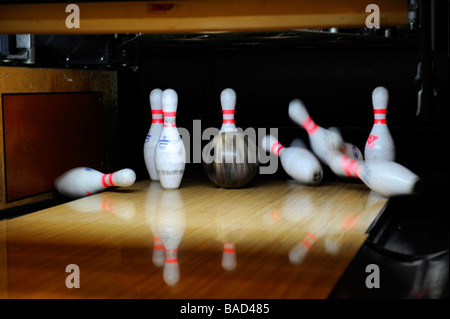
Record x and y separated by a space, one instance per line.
322 141
84 181
171 223
151 141
349 149
387 178
228 102
170 154
299 163
380 144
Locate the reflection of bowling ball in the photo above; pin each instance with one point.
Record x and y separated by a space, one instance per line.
230 159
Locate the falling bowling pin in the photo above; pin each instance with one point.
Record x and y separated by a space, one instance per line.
84 181
380 144
228 102
322 141
299 163
151 141
170 154
349 149
387 178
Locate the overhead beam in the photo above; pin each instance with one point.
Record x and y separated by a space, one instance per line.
195 16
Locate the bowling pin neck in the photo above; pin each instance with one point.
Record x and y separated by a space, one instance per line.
310 126
379 115
123 177
170 119
157 116
276 148
171 256
228 124
228 116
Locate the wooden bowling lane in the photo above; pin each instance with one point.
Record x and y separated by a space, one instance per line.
276 239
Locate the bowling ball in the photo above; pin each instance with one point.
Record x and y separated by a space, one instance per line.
230 159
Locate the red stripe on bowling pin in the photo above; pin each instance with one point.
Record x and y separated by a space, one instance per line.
105 182
228 121
310 126
158 120
382 119
276 150
350 166
170 114
228 112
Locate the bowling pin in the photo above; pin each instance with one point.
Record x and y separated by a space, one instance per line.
84 181
170 154
299 163
387 178
154 132
349 149
322 141
171 223
380 144
228 102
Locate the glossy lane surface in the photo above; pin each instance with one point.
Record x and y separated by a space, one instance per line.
277 239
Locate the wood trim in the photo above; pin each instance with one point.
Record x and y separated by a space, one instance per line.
41 80
196 16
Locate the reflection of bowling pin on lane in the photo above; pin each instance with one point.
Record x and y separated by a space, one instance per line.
384 177
322 141
170 154
151 141
84 181
120 207
171 221
228 102
229 256
298 253
299 163
380 144
151 211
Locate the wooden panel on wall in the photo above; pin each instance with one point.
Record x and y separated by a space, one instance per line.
47 134
36 104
